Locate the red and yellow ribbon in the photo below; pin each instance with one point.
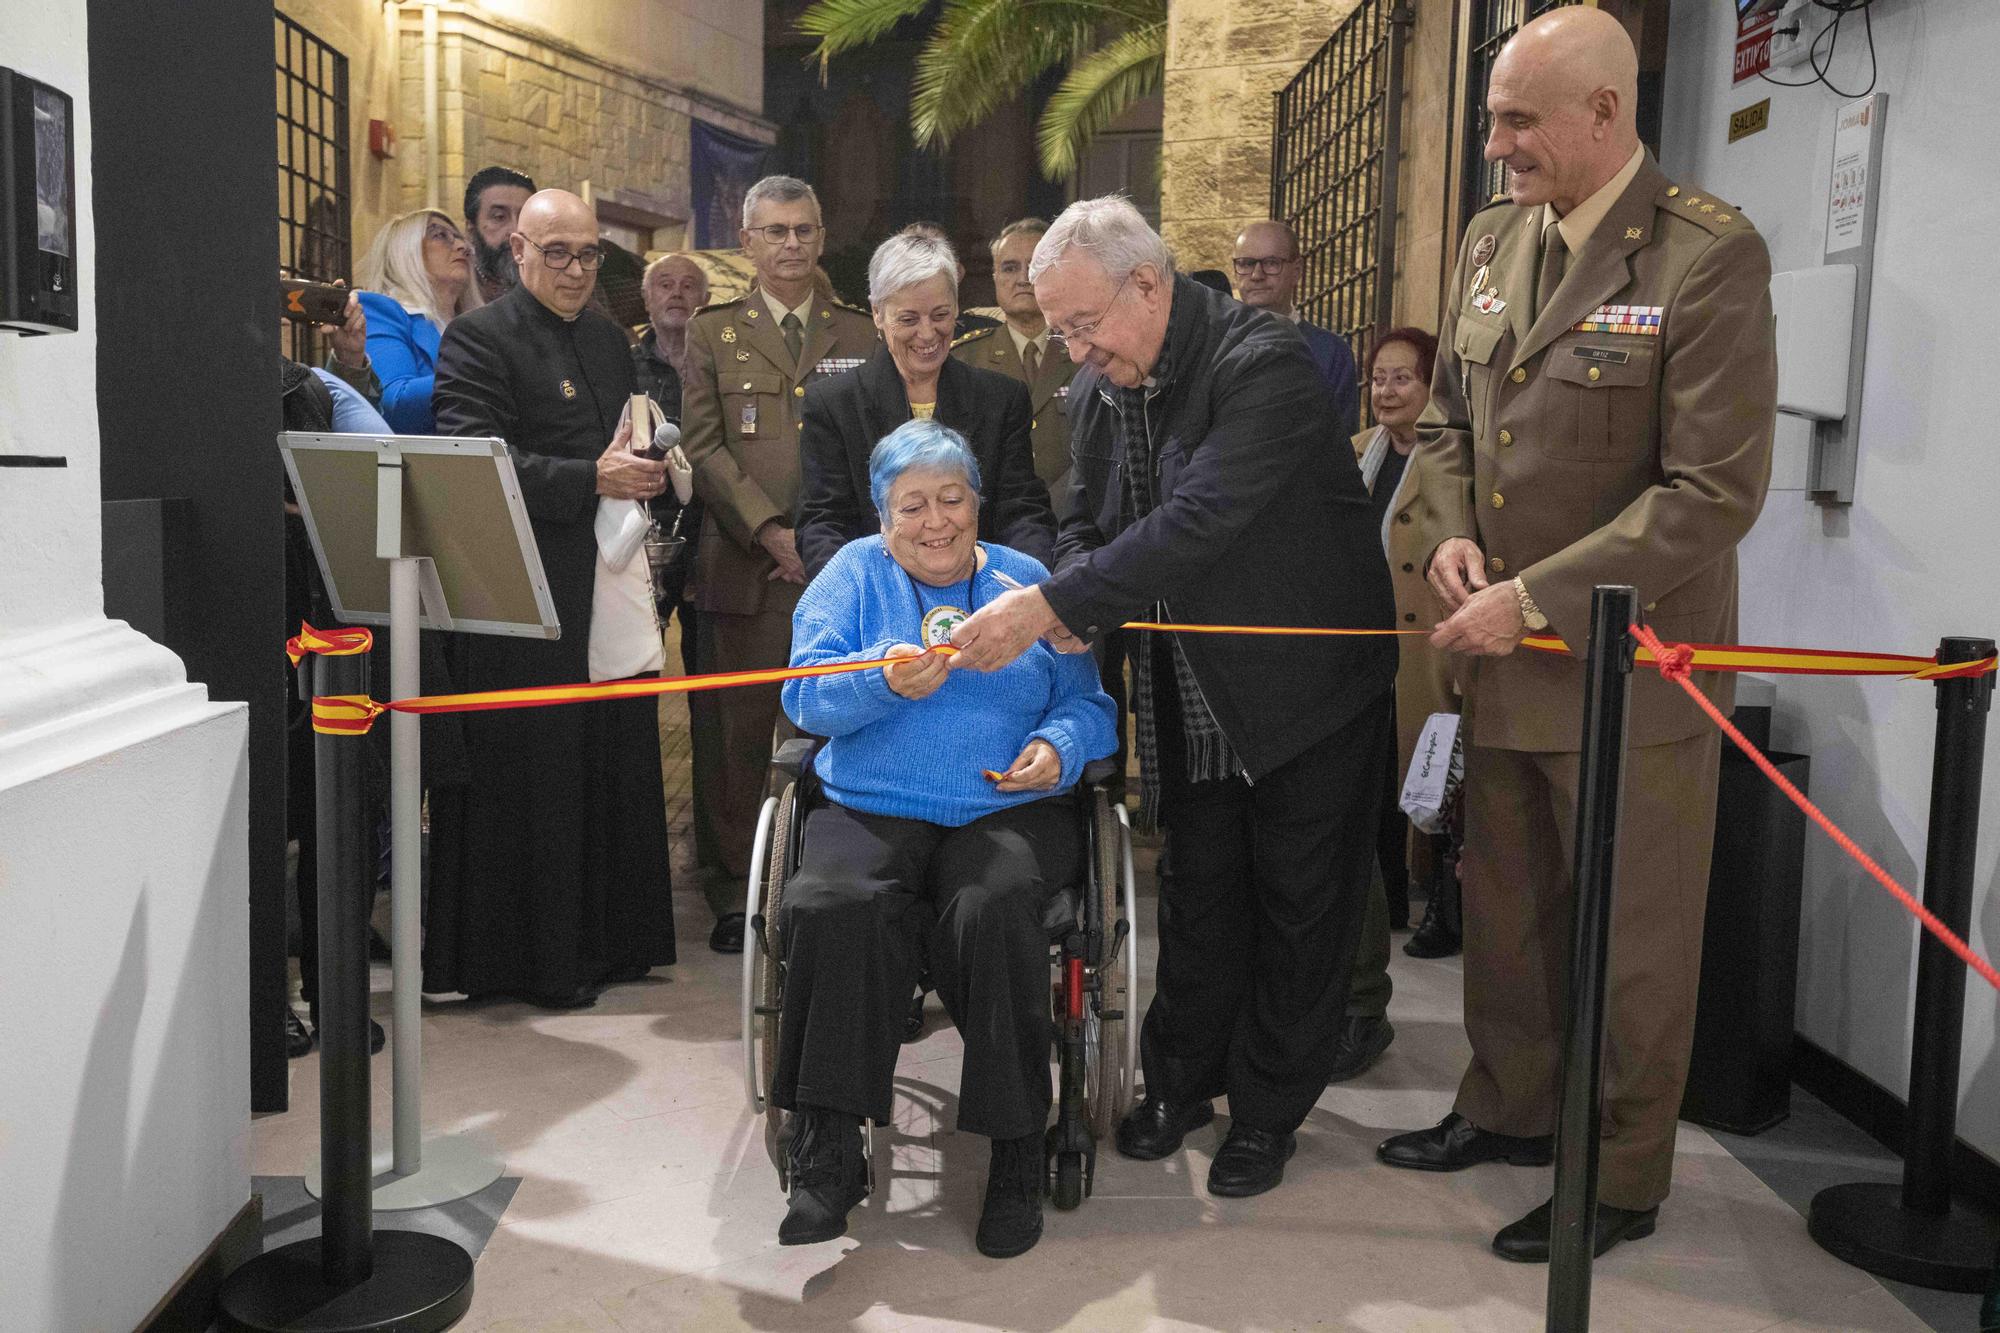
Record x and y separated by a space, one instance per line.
353 715
1796 661
327 642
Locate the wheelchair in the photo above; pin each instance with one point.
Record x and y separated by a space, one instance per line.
1092 952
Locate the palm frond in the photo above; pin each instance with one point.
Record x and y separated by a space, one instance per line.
982 54
1096 90
843 25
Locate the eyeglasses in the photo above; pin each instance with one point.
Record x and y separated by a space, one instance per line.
560 257
1269 265
450 236
1087 333
1401 379
778 231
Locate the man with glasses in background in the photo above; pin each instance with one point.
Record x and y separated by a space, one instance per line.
549 875
747 365
1266 264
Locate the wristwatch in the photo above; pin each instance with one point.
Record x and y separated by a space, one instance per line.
1531 615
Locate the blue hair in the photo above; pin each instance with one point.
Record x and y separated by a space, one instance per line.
918 443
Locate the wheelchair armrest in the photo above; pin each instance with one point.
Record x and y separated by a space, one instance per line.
792 757
1099 771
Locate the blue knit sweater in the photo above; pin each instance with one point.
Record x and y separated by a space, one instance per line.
921 759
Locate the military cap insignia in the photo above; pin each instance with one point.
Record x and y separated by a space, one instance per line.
568 389
1483 248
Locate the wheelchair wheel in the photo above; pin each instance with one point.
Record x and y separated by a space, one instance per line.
759 979
1111 1024
1068 1190
777 1139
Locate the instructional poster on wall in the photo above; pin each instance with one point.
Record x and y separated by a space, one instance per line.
1847 192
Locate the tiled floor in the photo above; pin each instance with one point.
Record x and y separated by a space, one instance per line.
646 1200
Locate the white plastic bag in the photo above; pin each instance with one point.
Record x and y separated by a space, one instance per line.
1436 770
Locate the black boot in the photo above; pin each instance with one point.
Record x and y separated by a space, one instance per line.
829 1175
1011 1221
1437 936
298 1037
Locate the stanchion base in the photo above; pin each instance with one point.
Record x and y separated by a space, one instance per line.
420 1283
1867 1226
454 1167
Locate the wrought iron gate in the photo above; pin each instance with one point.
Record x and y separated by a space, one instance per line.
314 206
1335 144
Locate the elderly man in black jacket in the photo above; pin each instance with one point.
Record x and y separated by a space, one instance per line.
1213 487
913 297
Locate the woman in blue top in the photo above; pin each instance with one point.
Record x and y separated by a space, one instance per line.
418 272
912 818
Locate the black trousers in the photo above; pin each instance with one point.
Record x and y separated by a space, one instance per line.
1262 889
874 896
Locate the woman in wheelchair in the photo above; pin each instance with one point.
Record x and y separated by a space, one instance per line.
947 824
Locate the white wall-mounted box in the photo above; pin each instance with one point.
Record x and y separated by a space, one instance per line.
1815 313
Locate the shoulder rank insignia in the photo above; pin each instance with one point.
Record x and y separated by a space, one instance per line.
973 335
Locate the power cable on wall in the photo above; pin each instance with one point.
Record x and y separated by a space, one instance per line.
1830 35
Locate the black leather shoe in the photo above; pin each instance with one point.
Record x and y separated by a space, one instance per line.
829 1175
1360 1044
1154 1128
377 1038
913 1022
1249 1162
1010 1222
727 937
1527 1241
298 1037
1455 1143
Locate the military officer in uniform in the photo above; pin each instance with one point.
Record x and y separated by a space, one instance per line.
1020 350
747 366
1603 402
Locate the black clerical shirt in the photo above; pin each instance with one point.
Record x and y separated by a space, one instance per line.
553 389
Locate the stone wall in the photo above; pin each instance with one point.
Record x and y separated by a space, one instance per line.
1225 60
575 99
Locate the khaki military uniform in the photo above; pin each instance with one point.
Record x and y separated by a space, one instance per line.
1048 396
1622 437
740 409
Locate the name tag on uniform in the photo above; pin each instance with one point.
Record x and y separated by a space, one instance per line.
834 365
749 418
1610 354
1643 320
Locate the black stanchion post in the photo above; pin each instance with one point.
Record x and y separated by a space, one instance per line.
1600 785
350 1277
1915 1232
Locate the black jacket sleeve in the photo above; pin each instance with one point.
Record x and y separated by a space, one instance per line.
1022 518
1269 419
829 514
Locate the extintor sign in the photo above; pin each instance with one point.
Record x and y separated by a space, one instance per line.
1753 45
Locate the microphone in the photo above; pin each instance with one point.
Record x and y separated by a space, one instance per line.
664 440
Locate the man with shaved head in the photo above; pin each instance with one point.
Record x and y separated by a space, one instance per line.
549 862
1268 266
1603 397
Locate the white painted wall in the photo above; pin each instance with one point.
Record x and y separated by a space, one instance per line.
124 1065
1912 559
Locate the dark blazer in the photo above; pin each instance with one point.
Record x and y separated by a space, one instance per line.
847 415
1262 520
1334 360
553 389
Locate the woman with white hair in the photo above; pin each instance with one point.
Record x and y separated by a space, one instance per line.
418 276
913 294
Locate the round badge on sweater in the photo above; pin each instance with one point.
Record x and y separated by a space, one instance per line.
939 622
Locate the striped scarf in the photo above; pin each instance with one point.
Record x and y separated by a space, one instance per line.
1207 751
